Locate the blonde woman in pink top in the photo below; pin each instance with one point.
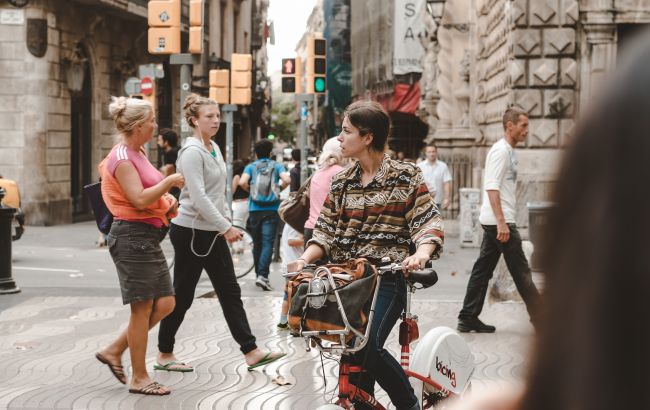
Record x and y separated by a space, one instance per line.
330 162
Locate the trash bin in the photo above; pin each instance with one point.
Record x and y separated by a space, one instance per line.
537 217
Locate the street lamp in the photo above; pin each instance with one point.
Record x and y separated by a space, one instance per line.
436 8
75 70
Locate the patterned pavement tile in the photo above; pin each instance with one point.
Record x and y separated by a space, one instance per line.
47 347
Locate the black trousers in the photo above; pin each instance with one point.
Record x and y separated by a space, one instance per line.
491 250
187 271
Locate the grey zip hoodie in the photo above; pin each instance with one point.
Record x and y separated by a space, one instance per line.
203 198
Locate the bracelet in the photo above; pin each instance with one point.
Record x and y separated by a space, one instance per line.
302 259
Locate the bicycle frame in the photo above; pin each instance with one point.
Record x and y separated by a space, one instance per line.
408 333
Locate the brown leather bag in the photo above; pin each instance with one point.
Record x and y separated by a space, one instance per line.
356 298
295 209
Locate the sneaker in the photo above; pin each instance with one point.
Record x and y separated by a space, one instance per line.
474 325
283 326
263 283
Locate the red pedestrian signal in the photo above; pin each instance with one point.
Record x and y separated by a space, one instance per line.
288 66
291 75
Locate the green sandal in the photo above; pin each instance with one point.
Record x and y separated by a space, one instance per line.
169 367
266 360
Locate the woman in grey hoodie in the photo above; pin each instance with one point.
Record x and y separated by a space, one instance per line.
199 234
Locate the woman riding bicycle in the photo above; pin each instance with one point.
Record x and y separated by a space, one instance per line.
377 208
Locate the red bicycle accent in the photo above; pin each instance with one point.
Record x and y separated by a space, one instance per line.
442 362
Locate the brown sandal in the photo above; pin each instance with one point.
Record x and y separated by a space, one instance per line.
116 369
152 389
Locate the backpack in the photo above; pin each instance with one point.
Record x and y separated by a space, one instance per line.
264 185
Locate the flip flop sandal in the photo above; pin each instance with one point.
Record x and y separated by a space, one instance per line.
153 389
169 367
116 369
266 360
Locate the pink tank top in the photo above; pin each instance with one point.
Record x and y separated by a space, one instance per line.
149 175
319 187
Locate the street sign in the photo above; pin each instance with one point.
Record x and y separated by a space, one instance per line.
146 86
132 86
304 112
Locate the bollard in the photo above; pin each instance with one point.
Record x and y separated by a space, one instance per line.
7 284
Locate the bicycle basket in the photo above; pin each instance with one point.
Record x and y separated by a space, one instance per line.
313 304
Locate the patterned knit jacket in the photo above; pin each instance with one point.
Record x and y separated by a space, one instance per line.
381 219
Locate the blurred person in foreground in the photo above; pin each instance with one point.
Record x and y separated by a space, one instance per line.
591 352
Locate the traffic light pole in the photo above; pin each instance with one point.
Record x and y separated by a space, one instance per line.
185 61
228 110
303 100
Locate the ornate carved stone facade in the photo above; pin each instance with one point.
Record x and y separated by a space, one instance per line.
546 56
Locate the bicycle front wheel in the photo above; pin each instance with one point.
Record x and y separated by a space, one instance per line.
242 253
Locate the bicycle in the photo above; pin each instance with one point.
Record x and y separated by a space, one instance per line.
241 252
441 365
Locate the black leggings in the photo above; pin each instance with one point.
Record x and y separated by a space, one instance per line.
187 271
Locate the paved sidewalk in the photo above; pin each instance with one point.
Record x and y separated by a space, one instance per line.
70 307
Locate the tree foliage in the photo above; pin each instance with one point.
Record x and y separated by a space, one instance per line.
283 125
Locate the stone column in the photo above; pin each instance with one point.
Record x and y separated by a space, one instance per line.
214 46
229 29
598 58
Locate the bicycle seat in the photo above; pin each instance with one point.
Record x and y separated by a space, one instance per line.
425 277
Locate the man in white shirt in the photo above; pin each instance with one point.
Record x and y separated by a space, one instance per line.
437 177
500 235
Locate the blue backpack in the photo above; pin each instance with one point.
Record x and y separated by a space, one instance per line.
264 184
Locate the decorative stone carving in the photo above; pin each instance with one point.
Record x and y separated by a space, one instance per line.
570 12
529 100
566 131
517 73
543 13
543 133
462 95
568 72
559 103
519 15
543 72
559 41
528 42
444 80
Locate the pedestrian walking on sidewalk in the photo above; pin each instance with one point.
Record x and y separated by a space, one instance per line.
239 195
264 179
136 194
330 163
200 234
437 176
500 235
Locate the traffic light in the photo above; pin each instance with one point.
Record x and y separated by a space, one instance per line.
164 26
196 27
241 79
316 65
291 75
220 86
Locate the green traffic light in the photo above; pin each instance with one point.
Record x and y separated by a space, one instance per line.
319 85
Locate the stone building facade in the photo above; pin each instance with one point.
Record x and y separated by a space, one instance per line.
51 137
546 56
